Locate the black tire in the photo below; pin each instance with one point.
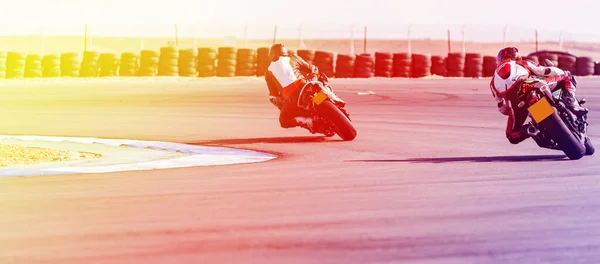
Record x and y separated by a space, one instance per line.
558 131
589 148
343 126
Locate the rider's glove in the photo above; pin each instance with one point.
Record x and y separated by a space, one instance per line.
503 108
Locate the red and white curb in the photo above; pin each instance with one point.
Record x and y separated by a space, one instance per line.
177 155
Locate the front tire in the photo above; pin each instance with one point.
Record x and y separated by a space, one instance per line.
343 126
558 131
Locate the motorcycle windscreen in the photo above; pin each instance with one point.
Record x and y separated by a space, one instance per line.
541 110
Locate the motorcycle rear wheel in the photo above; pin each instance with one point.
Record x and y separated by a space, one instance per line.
589 148
343 126
558 131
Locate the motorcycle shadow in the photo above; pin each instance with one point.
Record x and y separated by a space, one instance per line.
476 159
269 140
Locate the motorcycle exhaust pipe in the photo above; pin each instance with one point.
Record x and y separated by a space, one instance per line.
532 131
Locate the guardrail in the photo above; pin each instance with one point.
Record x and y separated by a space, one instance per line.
231 62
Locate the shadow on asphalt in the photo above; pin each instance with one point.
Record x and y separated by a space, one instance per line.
473 159
272 140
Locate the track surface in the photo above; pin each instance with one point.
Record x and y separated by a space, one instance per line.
429 179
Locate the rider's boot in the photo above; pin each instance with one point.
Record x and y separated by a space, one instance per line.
305 122
571 102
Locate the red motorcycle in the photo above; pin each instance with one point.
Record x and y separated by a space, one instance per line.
554 125
329 115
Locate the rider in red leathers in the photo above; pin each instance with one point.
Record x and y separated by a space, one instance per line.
511 70
287 74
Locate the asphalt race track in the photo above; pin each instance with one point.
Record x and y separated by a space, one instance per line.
430 178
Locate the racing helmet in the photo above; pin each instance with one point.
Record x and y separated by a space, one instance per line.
508 53
276 51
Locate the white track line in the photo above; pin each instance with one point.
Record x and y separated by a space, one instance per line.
192 156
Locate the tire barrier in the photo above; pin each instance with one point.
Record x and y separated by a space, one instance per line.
567 63
226 61
325 62
384 64
231 61
89 64
207 62
455 65
51 66
262 61
188 63
149 60
489 66
15 65
168 62
438 66
70 64
33 66
307 55
551 57
109 64
533 58
473 65
344 66
2 64
245 62
364 66
585 66
129 64
421 65
402 65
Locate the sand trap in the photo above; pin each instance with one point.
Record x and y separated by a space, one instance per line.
11 154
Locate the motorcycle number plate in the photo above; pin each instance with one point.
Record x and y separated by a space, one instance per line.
541 110
319 98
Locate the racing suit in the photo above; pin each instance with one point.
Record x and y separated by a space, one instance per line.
285 79
505 84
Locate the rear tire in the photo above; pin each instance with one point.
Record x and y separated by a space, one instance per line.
558 131
589 148
343 126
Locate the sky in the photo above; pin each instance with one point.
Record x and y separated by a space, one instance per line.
484 18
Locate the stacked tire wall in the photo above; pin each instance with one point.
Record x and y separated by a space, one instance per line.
245 62
33 66
207 62
230 62
129 64
384 64
149 61
226 61
51 66
325 62
421 65
473 65
188 63
402 65
15 65
345 66
455 65
364 66
438 66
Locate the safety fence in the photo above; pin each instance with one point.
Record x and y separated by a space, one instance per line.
231 62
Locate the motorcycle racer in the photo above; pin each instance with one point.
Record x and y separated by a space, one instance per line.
286 75
509 75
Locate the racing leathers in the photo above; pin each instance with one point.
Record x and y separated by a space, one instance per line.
509 76
285 78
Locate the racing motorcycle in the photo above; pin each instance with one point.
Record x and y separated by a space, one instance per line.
553 124
329 117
